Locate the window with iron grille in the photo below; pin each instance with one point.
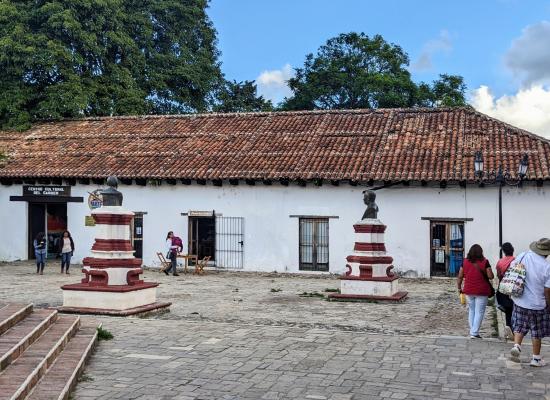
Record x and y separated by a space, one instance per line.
314 244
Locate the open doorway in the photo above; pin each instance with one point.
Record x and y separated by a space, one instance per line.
202 237
50 218
447 247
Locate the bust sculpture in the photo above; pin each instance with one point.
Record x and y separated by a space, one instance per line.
369 198
111 196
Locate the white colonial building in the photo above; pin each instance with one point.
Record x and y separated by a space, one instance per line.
279 191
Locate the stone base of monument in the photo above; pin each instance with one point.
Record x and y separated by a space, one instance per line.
111 283
368 290
369 275
116 300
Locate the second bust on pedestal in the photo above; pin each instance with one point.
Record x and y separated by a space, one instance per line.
369 198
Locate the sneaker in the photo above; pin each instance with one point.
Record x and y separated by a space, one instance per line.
515 351
508 334
537 362
475 337
176 274
166 272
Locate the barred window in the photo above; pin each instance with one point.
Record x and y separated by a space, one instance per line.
313 244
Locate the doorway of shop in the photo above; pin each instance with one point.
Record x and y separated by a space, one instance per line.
202 237
446 247
50 218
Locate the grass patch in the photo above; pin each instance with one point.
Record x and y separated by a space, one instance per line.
344 300
85 378
311 294
332 290
273 290
104 334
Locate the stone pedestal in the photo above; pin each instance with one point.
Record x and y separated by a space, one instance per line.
369 273
111 283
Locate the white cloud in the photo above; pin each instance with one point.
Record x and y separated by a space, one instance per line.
273 84
440 44
529 55
529 108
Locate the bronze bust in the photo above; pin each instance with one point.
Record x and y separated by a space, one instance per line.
111 196
369 197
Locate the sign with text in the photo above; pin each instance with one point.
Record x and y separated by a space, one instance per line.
89 220
200 213
43 190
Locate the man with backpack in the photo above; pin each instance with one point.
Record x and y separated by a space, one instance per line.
531 309
173 246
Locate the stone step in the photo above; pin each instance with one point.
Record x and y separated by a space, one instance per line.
20 377
12 313
62 377
14 342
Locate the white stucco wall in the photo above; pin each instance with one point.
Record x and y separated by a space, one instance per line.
271 236
13 225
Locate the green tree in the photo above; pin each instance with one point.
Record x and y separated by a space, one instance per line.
448 91
354 70
62 59
240 97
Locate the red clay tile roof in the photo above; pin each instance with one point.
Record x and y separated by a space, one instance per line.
358 145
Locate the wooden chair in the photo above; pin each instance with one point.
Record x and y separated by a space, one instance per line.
164 263
200 264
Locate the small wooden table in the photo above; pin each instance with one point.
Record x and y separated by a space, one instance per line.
187 257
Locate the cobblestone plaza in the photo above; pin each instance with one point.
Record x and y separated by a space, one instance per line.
273 336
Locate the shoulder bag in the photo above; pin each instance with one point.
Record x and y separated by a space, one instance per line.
484 274
513 281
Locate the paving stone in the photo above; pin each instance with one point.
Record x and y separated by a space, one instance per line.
282 346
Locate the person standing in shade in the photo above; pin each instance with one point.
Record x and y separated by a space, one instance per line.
504 301
40 250
476 274
532 310
66 249
171 253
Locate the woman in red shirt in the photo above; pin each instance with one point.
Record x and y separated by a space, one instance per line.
476 274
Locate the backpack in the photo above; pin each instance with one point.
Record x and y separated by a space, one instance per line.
513 282
176 241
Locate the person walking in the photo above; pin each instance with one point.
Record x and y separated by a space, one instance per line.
504 301
476 274
66 249
40 250
531 310
171 253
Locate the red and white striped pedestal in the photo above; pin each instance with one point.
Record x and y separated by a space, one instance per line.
369 275
111 283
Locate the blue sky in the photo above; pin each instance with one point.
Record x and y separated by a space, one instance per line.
495 45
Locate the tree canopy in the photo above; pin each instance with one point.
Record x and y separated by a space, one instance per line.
104 57
240 97
354 70
66 59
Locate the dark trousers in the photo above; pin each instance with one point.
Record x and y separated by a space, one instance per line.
507 304
173 263
66 261
508 312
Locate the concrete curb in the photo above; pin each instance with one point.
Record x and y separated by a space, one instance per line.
501 323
